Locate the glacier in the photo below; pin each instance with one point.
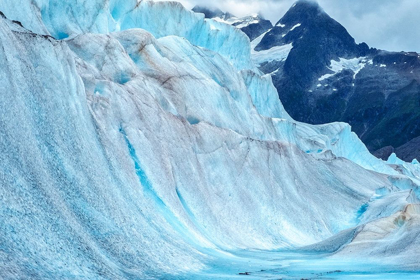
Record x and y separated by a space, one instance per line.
139 141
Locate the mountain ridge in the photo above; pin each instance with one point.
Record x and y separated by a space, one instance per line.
323 75
252 25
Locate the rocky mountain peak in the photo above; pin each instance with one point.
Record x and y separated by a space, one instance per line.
325 76
303 11
306 22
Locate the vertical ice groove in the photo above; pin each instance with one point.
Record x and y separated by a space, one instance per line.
162 207
144 181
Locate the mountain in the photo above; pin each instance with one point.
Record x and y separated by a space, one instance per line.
213 13
323 75
253 25
409 151
139 141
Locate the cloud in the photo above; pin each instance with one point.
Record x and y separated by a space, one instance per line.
384 24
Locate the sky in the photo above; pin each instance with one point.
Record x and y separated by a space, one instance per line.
392 25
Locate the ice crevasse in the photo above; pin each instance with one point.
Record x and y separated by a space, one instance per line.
138 140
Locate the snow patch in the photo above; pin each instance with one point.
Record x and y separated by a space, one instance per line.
296 26
239 22
353 64
279 53
246 23
257 40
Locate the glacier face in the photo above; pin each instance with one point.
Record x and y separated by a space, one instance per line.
66 19
147 145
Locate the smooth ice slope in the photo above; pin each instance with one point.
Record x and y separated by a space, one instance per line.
68 209
133 154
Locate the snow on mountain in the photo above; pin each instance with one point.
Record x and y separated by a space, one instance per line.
146 144
279 53
252 25
328 77
354 64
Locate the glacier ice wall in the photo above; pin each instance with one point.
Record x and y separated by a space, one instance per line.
146 139
63 19
68 209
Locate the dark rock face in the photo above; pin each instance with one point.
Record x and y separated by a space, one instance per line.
328 77
410 150
317 39
384 108
252 26
377 92
384 153
406 152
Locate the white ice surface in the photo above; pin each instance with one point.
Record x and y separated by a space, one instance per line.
279 53
257 40
240 22
295 26
66 19
353 64
143 153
